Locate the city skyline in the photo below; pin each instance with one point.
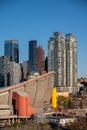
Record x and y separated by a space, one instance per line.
29 20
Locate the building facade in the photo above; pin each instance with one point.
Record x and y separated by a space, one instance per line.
11 49
40 59
51 50
57 58
71 62
33 56
15 73
4 71
62 58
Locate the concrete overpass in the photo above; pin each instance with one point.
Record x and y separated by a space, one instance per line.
38 89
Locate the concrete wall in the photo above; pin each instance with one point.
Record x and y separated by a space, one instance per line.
38 89
4 98
4 110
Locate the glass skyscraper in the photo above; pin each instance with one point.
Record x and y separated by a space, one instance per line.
11 49
33 56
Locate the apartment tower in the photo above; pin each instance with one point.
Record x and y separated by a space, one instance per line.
57 58
62 58
71 62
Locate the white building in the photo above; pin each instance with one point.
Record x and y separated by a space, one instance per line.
51 48
71 62
62 58
14 73
57 58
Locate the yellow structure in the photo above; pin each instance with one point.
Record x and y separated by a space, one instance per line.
54 97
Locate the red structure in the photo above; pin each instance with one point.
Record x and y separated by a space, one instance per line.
21 104
40 59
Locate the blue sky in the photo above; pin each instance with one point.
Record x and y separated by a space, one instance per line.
26 20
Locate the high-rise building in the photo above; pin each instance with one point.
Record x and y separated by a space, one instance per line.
51 50
4 71
33 56
40 59
57 58
15 72
71 62
11 49
62 58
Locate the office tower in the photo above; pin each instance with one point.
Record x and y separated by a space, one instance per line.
15 73
4 71
11 49
40 59
71 62
57 58
33 56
